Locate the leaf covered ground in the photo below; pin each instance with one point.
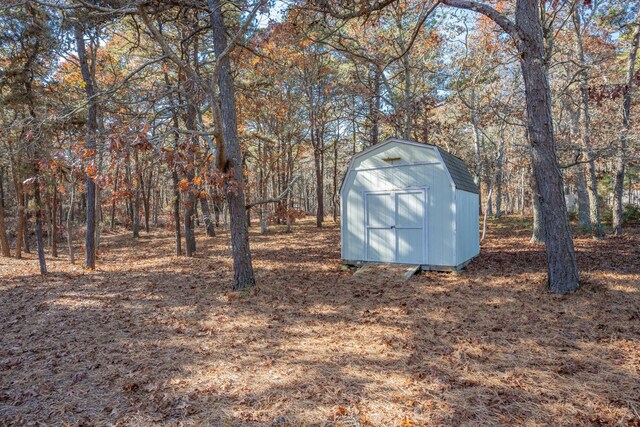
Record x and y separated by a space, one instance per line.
153 339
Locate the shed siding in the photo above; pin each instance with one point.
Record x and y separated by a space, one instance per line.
467 226
405 152
441 209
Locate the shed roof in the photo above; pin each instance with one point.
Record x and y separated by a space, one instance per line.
459 172
457 168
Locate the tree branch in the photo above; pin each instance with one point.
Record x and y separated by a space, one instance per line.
274 199
505 23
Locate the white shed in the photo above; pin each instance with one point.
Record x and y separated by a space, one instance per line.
409 203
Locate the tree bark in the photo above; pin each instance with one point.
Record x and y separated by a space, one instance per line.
538 234
583 201
92 126
174 169
4 242
585 135
136 204
561 260
38 218
317 161
190 201
206 214
621 155
115 197
243 269
54 221
27 215
72 257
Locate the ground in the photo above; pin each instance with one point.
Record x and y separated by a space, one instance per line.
154 339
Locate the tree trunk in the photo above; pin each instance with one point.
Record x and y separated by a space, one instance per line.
334 196
190 207
4 242
538 234
20 233
561 259
54 222
528 36
176 211
621 155
174 169
189 227
319 187
585 136
92 126
27 215
243 269
499 176
38 218
115 197
408 102
206 214
147 201
583 201
72 257
136 204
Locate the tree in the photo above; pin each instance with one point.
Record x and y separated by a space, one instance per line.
231 157
528 36
92 127
621 155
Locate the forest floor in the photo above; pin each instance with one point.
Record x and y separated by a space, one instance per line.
154 339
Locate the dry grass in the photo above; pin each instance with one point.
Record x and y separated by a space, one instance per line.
151 339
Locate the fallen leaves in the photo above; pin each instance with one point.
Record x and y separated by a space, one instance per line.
162 340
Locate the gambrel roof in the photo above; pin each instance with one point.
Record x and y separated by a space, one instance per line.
456 167
459 172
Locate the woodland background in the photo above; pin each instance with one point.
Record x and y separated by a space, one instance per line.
90 90
140 138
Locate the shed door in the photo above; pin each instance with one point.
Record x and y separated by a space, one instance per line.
380 224
395 225
410 221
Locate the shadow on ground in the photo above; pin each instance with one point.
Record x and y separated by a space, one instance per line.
152 339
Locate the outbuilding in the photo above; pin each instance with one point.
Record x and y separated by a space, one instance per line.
412 203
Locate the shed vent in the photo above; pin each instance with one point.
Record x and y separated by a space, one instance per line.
392 160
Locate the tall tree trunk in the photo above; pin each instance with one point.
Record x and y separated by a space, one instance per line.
561 259
621 155
585 135
527 33
243 268
38 218
206 214
54 221
317 161
538 232
216 207
115 198
72 257
478 145
4 242
92 126
146 199
19 235
190 208
583 201
176 211
27 215
499 175
408 102
175 201
334 197
136 204
374 108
